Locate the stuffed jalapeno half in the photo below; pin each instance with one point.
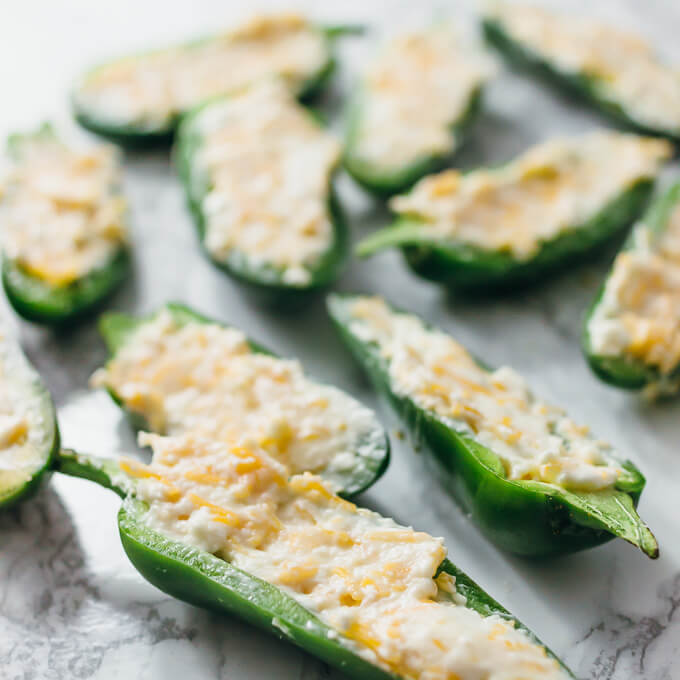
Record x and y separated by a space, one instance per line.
63 224
615 71
258 168
557 202
138 100
535 482
177 371
412 108
29 436
632 331
228 528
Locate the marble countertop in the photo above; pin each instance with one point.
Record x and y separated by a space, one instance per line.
71 606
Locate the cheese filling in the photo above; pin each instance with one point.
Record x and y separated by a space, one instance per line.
622 66
533 440
553 187
418 88
639 312
368 578
61 211
152 89
21 420
201 377
268 165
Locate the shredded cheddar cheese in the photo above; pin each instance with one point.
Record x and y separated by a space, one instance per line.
62 212
420 84
369 579
201 377
622 66
533 440
554 186
268 166
152 89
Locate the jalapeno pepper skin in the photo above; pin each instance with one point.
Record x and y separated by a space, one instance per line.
116 330
212 583
468 268
264 282
527 518
575 84
21 373
625 371
143 136
384 183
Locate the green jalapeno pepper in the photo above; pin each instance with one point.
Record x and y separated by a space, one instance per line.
461 263
208 581
371 451
585 84
267 280
48 303
619 367
138 133
30 435
526 517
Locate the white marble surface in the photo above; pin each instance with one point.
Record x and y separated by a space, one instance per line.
70 604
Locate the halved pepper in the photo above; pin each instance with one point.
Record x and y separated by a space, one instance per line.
68 296
465 262
592 79
643 272
371 451
272 278
409 77
157 127
29 435
208 581
523 516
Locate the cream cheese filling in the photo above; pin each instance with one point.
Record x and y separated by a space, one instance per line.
417 88
623 66
368 578
204 378
268 164
153 88
532 439
554 186
21 419
61 210
639 312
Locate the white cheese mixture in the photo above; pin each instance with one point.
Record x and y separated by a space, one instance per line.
268 165
21 418
368 578
201 377
152 89
419 86
61 211
639 312
533 440
552 187
622 66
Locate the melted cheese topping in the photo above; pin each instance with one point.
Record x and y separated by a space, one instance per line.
533 440
21 420
268 165
152 89
639 312
420 85
622 67
62 214
201 377
555 186
368 578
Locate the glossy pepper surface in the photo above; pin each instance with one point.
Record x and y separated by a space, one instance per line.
526 517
